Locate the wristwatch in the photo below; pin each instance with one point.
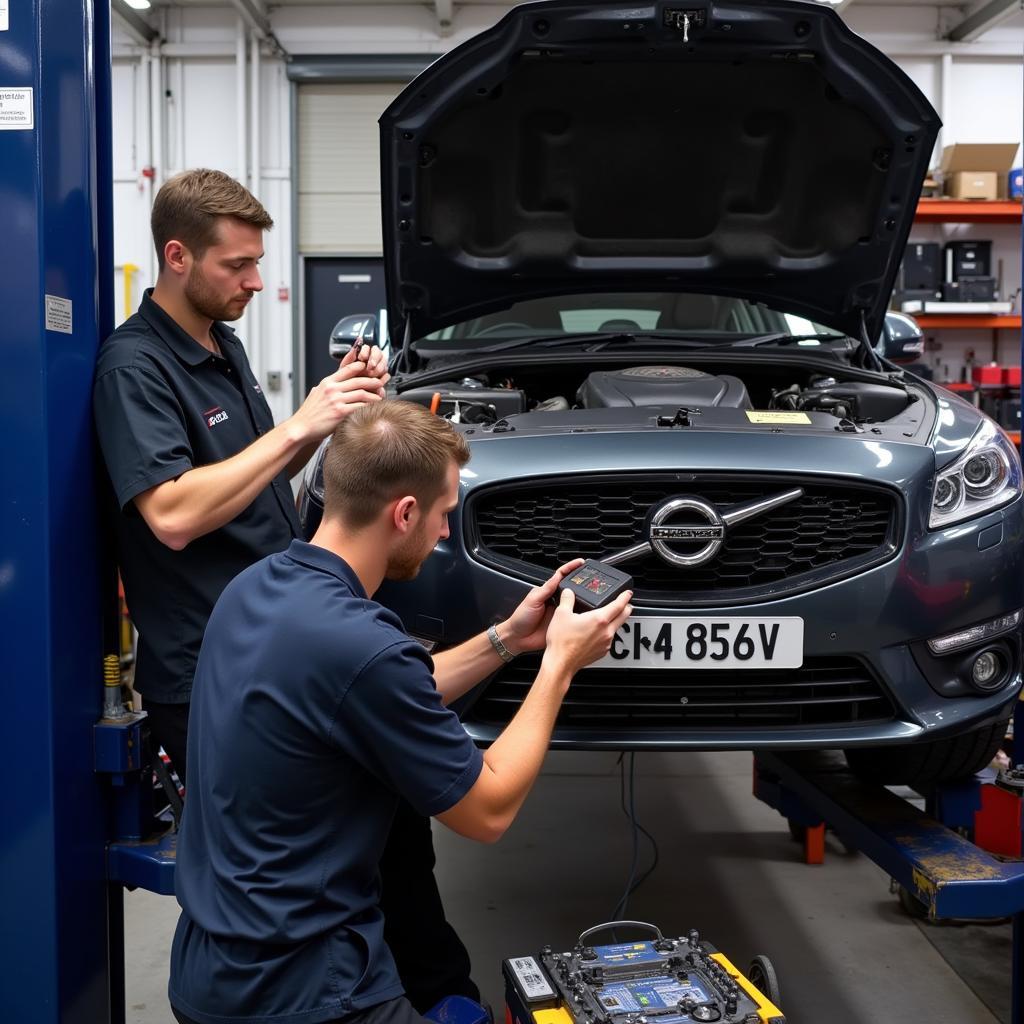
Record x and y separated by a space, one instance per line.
503 652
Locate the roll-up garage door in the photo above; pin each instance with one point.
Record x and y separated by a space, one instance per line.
339 166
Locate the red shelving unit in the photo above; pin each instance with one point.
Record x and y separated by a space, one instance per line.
936 321
962 211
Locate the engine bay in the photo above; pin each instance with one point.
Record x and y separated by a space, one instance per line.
489 399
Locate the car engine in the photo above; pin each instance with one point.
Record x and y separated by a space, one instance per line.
488 400
661 385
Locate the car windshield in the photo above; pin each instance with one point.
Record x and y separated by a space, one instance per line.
708 317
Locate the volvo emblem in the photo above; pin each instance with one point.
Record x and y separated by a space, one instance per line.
696 526
662 532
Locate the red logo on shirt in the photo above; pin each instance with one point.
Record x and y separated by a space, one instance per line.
214 416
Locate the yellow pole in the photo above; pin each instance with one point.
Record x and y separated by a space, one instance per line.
130 269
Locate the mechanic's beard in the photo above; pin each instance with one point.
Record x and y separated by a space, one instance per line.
406 561
204 300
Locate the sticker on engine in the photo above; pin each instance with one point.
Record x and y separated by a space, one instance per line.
778 417
530 977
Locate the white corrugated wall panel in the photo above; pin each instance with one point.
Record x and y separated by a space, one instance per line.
339 167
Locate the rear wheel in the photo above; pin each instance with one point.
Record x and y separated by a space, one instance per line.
924 765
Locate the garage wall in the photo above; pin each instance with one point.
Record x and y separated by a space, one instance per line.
339 167
192 104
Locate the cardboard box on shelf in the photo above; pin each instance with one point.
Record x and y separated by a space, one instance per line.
978 170
973 185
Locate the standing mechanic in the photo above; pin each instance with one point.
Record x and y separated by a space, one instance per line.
314 713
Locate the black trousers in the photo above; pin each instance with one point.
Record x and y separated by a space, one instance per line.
432 961
168 725
394 1011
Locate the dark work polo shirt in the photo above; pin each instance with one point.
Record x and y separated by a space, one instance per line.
163 404
313 712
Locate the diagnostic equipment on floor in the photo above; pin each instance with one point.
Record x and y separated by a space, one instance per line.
651 981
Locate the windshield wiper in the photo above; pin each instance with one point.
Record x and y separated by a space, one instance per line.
869 358
596 342
786 339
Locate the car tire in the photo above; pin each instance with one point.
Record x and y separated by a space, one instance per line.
925 765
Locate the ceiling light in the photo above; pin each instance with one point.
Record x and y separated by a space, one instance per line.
139 5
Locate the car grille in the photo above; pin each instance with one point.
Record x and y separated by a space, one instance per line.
824 691
833 530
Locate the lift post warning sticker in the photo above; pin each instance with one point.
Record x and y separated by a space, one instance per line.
16 110
776 417
662 993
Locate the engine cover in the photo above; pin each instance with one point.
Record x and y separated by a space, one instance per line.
661 385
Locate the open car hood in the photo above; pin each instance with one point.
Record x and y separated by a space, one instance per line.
758 149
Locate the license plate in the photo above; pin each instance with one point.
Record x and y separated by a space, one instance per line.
707 643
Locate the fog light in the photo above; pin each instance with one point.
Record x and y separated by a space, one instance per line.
986 668
975 634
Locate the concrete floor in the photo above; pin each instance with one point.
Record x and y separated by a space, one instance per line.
844 952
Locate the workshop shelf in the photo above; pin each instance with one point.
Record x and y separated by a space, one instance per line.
966 321
960 211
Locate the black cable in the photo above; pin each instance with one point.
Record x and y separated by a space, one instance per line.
620 908
650 838
629 809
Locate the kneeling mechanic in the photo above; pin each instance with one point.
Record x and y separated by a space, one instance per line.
314 713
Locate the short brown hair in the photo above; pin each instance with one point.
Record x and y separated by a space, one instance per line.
385 451
188 205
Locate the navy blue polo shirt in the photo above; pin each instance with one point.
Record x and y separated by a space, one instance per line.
164 404
312 713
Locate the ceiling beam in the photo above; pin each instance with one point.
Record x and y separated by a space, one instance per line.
984 16
134 23
254 15
445 11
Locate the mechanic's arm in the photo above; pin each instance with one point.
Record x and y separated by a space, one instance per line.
512 763
459 669
207 497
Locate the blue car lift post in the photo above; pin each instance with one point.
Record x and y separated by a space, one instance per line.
69 786
946 873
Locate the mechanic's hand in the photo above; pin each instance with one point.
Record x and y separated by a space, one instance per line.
372 356
526 628
345 390
575 641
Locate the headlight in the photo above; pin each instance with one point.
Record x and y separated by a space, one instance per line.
985 477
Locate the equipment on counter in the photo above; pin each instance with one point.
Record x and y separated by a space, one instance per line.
921 271
970 289
968 260
658 981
